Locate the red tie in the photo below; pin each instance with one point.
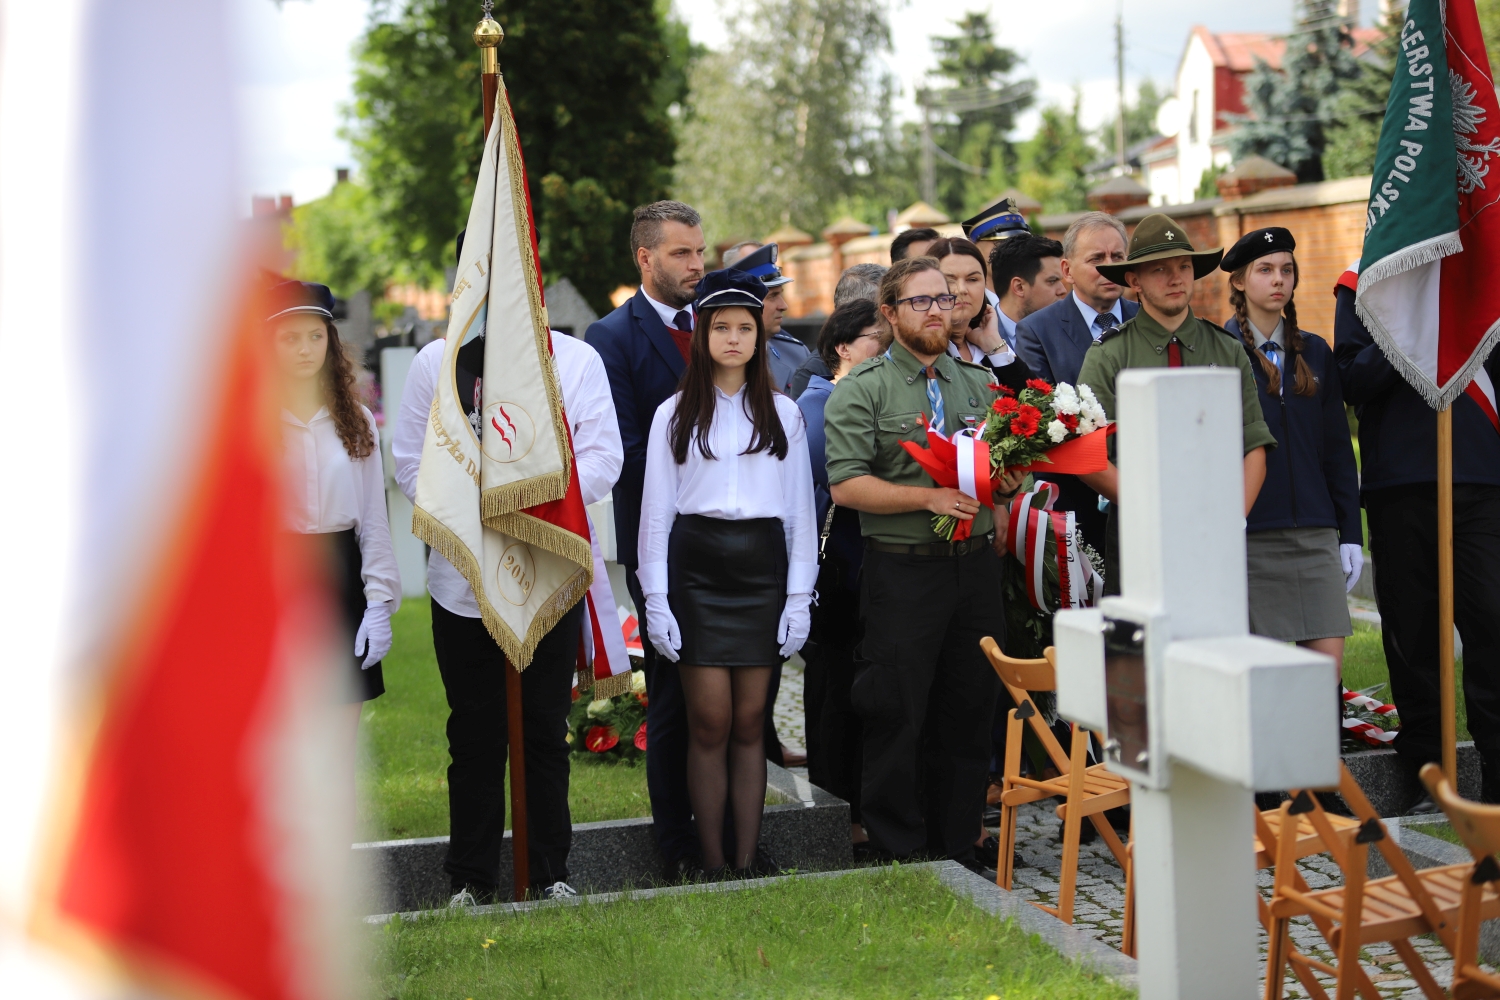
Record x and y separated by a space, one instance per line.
1174 354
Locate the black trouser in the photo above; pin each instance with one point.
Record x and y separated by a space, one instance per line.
1403 542
473 670
667 744
926 695
839 746
1112 551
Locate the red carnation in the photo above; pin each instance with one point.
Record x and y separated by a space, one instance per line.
993 387
1004 390
1069 420
1026 420
1006 406
640 737
1038 385
601 738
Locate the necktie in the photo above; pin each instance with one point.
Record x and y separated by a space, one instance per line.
1102 322
683 321
935 398
1174 353
1276 359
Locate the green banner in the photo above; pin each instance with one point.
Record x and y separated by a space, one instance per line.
1413 211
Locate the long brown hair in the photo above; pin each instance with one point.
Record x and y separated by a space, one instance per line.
341 399
695 409
1303 383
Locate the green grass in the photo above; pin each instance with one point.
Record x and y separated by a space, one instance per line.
403 774
892 933
1442 831
1364 666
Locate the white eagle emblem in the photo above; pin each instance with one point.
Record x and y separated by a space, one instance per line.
1473 159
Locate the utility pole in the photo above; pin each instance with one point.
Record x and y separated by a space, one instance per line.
1120 86
929 164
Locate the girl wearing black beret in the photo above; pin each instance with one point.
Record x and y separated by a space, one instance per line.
1303 545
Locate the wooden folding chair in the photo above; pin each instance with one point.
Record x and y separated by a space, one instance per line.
1087 792
1396 908
1478 826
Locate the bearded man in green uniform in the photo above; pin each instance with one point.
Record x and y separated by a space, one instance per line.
923 688
1161 268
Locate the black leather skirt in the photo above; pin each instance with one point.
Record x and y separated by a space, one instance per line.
726 582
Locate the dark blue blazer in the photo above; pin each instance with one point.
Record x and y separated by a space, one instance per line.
1311 480
1052 341
1397 429
644 367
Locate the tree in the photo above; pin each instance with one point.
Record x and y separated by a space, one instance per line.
1359 108
1140 118
972 64
591 83
339 241
1290 107
790 120
1054 161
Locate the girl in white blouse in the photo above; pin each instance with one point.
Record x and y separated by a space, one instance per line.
333 477
727 555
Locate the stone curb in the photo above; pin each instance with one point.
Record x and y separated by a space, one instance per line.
1067 941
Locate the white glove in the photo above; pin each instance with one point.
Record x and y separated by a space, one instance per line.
374 632
796 622
661 626
1353 559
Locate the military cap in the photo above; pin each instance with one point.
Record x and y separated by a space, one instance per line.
728 287
1158 238
762 264
1260 243
290 297
999 221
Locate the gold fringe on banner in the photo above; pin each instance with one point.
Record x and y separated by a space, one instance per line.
612 687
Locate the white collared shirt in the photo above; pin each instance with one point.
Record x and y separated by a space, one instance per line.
591 414
1089 312
731 486
1007 327
667 313
328 491
968 352
1277 337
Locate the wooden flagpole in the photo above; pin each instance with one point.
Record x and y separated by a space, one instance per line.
488 35
1447 692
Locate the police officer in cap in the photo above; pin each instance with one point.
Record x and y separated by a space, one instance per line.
1161 268
989 226
784 353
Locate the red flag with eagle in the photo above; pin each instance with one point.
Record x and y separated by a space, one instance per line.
503 505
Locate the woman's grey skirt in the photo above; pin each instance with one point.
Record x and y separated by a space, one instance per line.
1297 584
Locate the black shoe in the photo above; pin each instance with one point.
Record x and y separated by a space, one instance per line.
865 852
687 868
764 866
1424 807
723 873
987 852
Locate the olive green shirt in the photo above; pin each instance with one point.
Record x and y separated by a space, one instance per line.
1142 343
875 407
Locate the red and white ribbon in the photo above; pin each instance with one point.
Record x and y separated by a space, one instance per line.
1370 733
1032 518
973 465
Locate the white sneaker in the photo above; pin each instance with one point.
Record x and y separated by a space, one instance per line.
559 890
462 898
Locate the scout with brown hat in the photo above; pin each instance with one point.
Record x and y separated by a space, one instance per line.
1160 268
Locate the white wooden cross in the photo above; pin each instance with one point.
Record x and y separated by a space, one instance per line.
1197 712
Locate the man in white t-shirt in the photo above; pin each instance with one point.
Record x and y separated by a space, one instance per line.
472 664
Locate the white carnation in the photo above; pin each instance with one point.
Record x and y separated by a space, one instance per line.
1085 425
1087 395
638 682
1065 399
1057 431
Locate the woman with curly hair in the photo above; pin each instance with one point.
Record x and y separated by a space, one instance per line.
333 476
1303 544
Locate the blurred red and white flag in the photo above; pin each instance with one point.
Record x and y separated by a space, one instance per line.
174 766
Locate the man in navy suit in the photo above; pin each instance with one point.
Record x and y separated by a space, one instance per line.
1052 341
644 345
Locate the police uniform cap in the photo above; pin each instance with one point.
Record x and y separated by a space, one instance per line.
290 297
728 287
999 221
762 264
1255 245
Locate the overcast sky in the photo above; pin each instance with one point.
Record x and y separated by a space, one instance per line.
296 66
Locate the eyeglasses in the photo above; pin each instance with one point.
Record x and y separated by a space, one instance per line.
923 303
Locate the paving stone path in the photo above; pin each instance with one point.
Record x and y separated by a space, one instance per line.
1100 903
